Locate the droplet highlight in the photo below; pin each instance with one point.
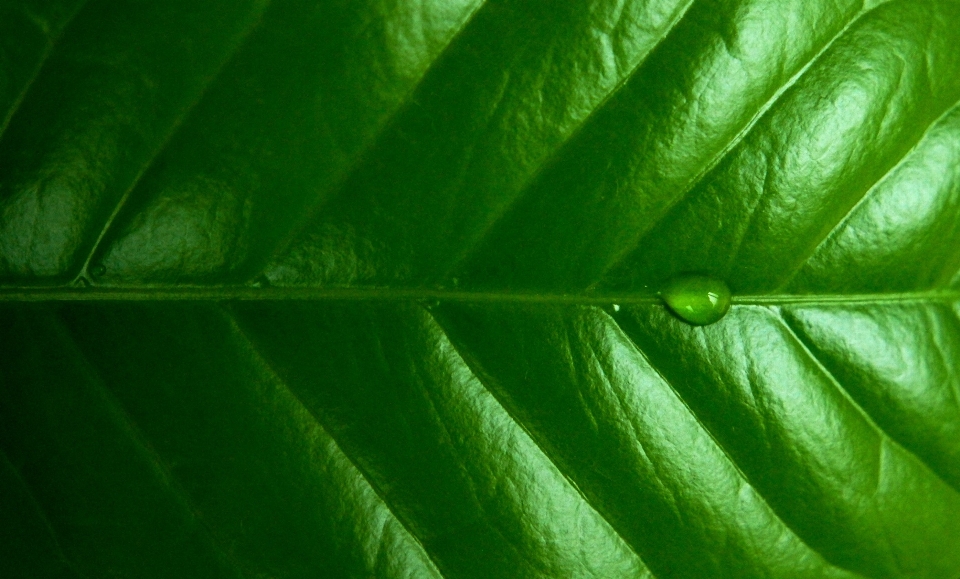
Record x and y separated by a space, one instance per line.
98 270
697 299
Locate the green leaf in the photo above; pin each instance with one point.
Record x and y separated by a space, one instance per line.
369 288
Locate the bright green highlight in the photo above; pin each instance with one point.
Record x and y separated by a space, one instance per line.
697 299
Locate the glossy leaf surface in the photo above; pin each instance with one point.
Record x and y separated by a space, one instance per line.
368 288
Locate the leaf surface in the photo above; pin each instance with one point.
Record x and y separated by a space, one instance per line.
367 288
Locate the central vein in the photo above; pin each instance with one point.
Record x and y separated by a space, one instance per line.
244 293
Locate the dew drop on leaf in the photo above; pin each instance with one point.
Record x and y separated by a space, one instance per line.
697 299
98 270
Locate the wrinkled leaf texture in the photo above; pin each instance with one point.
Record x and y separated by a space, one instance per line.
366 288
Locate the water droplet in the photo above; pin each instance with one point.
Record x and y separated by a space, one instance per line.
98 270
616 307
260 281
697 299
430 304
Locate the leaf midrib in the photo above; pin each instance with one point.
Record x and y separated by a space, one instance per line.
426 295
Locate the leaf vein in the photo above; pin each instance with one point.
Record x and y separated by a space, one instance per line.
38 508
310 213
141 441
51 45
874 425
866 196
167 139
713 162
538 443
728 456
415 294
554 155
238 329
